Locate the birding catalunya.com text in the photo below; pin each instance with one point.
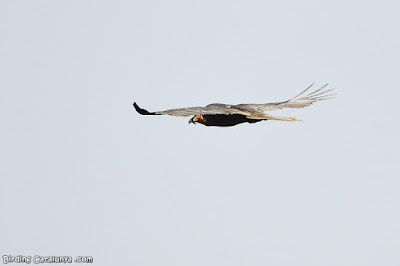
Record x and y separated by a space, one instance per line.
45 259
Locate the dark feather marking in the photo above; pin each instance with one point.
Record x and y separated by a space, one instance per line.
142 111
228 120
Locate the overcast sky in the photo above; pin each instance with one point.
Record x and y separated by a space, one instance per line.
83 174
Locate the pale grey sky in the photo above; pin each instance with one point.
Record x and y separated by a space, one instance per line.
83 174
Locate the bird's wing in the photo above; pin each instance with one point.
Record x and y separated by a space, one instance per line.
210 109
298 101
253 111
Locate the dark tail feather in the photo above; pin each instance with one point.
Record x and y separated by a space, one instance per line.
142 111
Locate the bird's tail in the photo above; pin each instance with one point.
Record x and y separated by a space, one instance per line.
273 117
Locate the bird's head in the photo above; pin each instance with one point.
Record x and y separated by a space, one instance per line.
198 119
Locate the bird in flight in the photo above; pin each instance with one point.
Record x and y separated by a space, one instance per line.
226 115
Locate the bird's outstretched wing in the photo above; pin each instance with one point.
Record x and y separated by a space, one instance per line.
211 109
298 101
252 111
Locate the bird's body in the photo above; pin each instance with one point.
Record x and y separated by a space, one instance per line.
227 120
225 115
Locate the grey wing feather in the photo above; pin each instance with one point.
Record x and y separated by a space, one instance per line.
210 109
298 101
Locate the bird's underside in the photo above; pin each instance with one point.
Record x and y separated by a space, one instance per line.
224 115
222 120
